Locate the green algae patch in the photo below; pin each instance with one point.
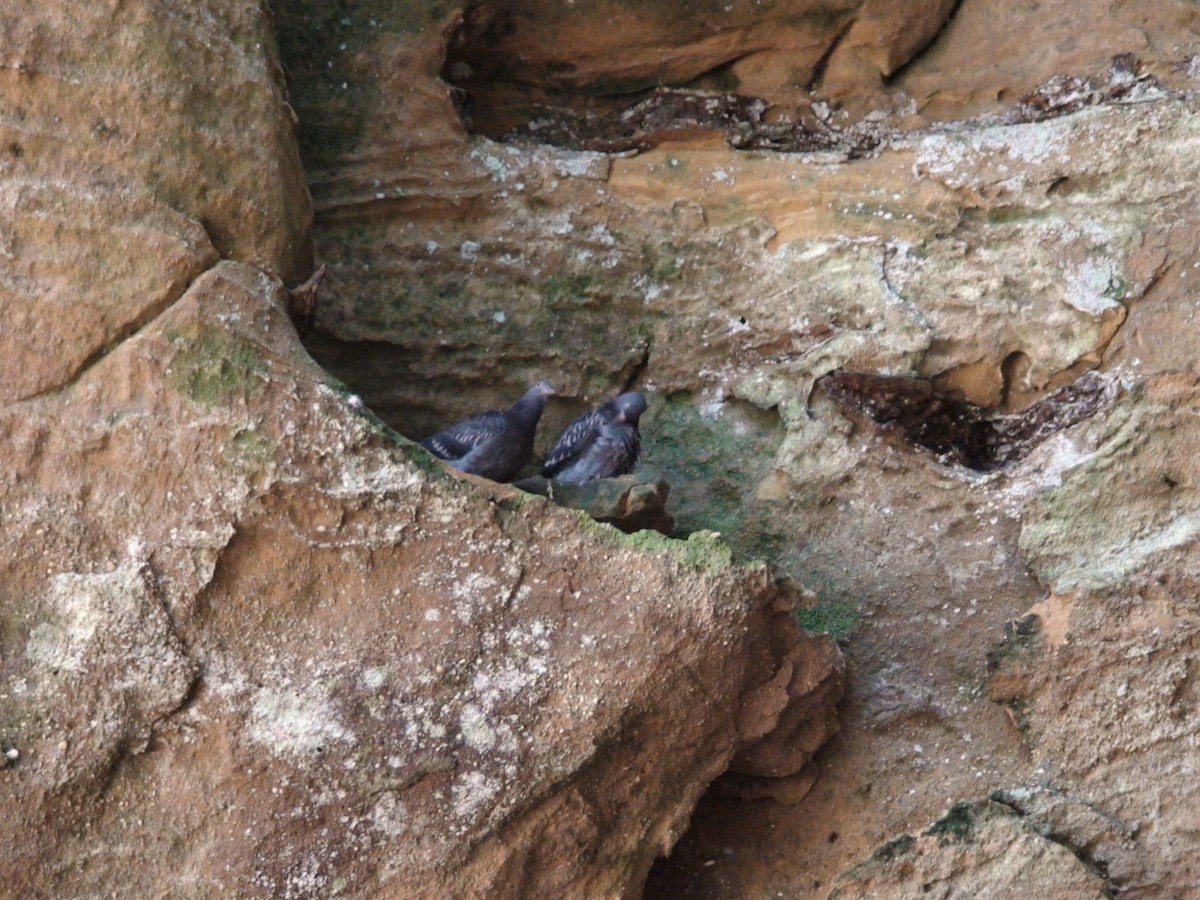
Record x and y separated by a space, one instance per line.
412 451
567 287
714 461
251 448
957 825
701 551
214 368
900 846
838 618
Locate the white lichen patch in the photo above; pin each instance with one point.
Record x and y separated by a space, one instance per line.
364 474
472 793
374 678
476 730
285 720
1047 465
105 653
110 620
1090 285
473 586
959 158
581 164
390 815
78 604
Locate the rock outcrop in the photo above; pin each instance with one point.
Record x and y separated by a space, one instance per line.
254 642
1004 210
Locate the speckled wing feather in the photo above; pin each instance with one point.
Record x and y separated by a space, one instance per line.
571 443
459 440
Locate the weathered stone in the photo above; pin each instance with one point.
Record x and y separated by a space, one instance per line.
999 256
138 143
403 680
628 502
254 642
980 849
1097 675
513 57
1128 504
197 481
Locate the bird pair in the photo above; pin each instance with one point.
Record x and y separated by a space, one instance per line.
602 443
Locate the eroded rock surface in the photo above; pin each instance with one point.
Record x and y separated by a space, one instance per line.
983 849
278 624
253 643
253 640
132 139
1025 214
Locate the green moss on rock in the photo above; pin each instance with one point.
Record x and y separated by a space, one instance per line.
836 617
214 367
702 551
896 847
956 826
251 448
714 462
567 287
321 45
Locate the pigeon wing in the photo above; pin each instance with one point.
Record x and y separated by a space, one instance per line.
617 451
633 450
459 440
571 443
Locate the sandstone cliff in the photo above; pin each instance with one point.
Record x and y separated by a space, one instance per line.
256 643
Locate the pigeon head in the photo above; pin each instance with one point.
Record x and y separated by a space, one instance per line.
532 402
629 407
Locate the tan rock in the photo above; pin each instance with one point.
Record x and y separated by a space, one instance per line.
253 642
1000 257
405 685
137 145
1096 676
226 518
981 849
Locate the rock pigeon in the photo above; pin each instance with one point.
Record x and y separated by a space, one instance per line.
496 445
603 443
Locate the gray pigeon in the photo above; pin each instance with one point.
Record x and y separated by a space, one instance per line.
496 445
602 443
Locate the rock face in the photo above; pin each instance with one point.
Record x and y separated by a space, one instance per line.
132 139
1110 651
514 56
1016 208
280 625
985 845
253 642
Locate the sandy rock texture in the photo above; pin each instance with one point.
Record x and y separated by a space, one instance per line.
252 641
137 143
1023 213
984 844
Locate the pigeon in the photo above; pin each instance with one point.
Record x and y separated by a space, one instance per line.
602 443
496 445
